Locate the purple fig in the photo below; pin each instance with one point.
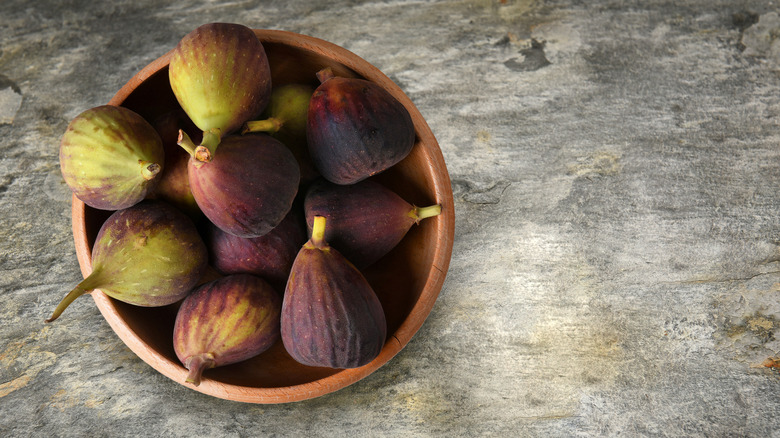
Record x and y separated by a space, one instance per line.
148 255
225 321
269 256
248 187
111 157
331 316
366 219
356 129
220 75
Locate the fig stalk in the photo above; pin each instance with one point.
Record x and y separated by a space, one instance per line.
318 231
270 125
149 170
87 285
197 365
420 213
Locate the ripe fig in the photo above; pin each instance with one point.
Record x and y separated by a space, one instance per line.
366 219
174 185
331 316
225 321
220 75
110 157
248 187
269 256
148 255
285 119
356 129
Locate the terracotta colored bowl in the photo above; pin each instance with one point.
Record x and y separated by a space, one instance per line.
407 281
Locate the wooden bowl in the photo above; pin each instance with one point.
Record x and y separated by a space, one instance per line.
407 280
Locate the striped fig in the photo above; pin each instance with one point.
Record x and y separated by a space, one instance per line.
248 187
366 219
147 255
356 129
225 321
111 157
220 76
331 316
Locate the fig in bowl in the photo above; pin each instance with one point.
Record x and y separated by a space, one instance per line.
407 280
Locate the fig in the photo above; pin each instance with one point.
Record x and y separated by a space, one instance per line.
331 316
248 187
356 129
147 255
225 321
174 185
220 76
111 157
269 256
285 119
367 220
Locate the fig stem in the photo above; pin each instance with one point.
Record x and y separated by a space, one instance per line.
197 365
325 74
186 142
271 125
149 170
87 285
211 139
420 213
318 231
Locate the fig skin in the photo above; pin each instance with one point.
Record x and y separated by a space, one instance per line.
269 256
366 219
111 157
356 129
174 184
225 321
285 119
220 76
331 316
248 187
147 255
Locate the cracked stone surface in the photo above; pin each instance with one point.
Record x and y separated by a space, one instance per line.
616 268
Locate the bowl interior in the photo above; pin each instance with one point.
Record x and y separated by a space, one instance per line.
407 280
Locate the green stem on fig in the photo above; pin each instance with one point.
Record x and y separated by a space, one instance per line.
197 365
211 139
87 285
186 142
325 74
420 213
270 125
318 231
149 170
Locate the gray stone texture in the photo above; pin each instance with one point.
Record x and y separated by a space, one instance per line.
616 267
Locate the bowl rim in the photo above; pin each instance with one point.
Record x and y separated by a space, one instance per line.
445 229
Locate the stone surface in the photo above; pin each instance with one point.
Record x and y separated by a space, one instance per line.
616 268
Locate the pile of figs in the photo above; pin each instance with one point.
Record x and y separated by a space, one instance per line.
258 224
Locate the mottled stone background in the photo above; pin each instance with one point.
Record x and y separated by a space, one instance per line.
616 268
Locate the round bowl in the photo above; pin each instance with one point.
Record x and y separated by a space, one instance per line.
407 281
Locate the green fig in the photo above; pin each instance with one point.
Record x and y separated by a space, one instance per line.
285 119
220 76
111 157
331 316
148 255
225 321
367 219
